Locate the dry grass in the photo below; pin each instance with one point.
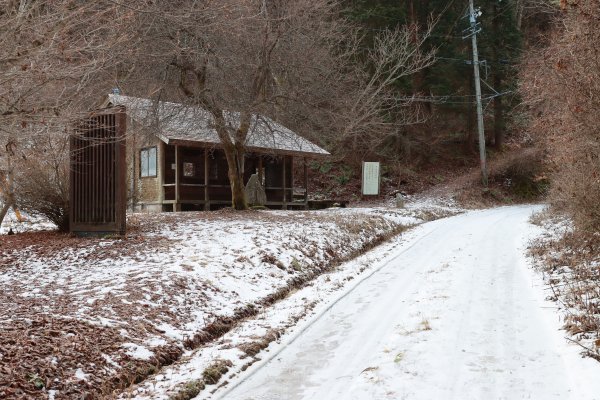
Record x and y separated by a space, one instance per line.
190 390
215 371
515 176
210 376
253 348
571 265
399 357
425 325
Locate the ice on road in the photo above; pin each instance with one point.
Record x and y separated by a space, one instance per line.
457 314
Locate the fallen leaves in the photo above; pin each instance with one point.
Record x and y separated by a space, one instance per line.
68 305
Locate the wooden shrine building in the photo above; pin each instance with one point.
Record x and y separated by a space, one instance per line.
176 162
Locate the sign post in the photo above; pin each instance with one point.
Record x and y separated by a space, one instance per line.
371 178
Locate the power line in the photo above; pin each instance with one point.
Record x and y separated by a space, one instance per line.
470 62
453 99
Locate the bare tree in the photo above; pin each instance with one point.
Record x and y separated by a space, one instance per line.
51 56
395 55
562 86
296 62
41 179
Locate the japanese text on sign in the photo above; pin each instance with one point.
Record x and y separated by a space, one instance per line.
370 185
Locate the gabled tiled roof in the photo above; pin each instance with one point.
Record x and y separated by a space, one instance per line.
179 123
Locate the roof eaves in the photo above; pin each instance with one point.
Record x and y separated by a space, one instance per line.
132 103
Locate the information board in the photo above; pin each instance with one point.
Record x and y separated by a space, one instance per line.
370 178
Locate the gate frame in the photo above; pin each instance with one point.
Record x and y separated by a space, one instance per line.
117 227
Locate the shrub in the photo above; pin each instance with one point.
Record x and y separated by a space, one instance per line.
524 176
563 90
42 180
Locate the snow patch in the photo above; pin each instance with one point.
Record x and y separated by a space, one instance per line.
79 374
110 361
137 351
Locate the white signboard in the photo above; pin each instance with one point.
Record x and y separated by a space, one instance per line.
370 178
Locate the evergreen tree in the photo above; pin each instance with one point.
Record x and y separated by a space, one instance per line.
448 84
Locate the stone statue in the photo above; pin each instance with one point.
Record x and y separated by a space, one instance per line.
255 192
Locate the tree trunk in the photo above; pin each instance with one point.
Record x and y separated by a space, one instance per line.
4 211
418 12
234 153
497 80
498 118
6 183
235 162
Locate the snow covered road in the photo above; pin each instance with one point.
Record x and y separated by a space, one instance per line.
457 314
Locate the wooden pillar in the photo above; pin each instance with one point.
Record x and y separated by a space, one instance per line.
305 184
291 183
177 205
206 177
260 170
284 206
161 170
135 170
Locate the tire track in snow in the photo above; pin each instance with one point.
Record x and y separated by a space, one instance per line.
488 339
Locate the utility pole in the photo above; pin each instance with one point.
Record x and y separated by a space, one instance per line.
480 127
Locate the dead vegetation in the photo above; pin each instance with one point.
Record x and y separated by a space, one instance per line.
215 371
51 274
561 88
251 349
42 354
516 176
210 376
189 390
571 267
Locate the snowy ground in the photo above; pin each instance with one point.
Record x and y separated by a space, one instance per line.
30 223
452 310
90 315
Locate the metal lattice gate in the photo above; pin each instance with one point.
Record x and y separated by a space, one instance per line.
98 197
